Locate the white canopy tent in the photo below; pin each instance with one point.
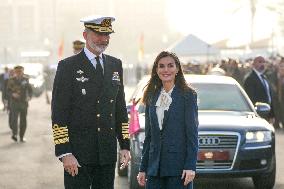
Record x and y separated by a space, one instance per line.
193 48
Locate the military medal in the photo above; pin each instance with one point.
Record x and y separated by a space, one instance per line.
82 79
80 72
83 91
115 76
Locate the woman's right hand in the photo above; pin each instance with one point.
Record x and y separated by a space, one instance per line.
141 178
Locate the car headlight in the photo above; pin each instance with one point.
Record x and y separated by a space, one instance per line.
258 136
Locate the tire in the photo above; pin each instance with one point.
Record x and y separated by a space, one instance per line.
133 172
123 172
266 180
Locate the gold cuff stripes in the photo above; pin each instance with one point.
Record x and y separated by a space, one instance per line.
125 131
60 134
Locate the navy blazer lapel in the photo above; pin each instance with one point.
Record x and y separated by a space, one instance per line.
153 113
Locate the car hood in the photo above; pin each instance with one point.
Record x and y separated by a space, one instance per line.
231 121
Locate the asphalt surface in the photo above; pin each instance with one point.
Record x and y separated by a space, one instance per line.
32 165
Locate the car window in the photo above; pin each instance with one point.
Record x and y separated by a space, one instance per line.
223 97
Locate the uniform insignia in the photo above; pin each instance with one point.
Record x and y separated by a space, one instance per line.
80 72
84 92
60 134
115 76
125 130
82 79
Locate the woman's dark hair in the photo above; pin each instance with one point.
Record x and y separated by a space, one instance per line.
155 83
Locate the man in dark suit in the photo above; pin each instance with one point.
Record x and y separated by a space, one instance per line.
257 86
89 111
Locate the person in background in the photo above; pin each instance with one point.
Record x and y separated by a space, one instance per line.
171 127
257 85
20 92
89 111
4 80
78 45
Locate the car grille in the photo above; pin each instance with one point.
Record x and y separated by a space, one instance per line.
217 150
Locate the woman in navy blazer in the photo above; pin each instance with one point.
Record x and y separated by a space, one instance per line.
171 127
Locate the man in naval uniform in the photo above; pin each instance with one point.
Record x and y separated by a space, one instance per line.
89 111
78 46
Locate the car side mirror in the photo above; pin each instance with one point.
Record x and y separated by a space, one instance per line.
262 109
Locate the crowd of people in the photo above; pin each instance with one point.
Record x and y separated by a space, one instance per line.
239 70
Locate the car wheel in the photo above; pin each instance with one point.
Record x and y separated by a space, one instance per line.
266 180
123 172
133 172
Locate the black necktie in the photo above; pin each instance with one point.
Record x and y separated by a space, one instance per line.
99 70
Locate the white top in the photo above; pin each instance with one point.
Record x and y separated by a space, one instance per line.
163 103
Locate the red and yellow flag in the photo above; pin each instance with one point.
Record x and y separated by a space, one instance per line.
141 48
61 49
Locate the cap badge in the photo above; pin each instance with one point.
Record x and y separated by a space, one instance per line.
106 23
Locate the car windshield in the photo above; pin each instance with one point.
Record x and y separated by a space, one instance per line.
217 97
221 97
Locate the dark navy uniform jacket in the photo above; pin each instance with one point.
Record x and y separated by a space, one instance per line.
88 117
169 151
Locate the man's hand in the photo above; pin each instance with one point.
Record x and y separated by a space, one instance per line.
141 178
70 164
124 158
16 95
188 176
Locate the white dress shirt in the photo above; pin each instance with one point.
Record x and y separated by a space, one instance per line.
92 57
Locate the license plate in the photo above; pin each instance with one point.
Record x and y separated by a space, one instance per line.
213 155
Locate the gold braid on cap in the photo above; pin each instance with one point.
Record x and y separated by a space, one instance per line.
104 27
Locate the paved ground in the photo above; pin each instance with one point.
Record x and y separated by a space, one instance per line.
33 165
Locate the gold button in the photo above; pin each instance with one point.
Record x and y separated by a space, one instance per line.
111 101
110 115
98 101
98 115
99 129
